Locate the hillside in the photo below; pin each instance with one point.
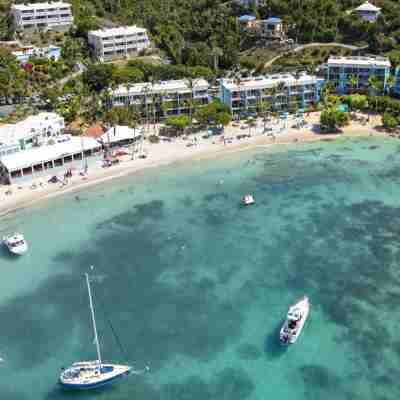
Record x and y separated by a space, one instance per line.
193 31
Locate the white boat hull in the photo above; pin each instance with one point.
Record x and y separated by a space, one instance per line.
17 250
86 375
291 329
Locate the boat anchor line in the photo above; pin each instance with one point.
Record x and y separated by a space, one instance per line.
84 375
123 351
140 371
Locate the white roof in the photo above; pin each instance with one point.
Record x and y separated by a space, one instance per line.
179 86
359 61
367 6
35 124
37 155
268 81
119 134
36 6
122 30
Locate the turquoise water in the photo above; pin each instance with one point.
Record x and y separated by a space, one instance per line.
197 286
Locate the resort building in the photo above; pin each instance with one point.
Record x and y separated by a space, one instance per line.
40 161
163 99
342 70
283 92
120 135
368 12
271 28
26 52
396 88
33 131
55 15
114 43
249 3
247 22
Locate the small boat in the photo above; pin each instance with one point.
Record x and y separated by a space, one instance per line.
295 321
248 200
16 244
85 375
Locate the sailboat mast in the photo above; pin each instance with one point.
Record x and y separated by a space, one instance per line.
96 338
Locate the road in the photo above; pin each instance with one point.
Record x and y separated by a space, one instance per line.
63 81
305 46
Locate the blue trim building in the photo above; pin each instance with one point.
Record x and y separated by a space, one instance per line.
396 88
339 70
283 92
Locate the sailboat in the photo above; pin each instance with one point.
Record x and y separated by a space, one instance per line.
84 375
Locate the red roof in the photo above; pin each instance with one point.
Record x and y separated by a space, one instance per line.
94 131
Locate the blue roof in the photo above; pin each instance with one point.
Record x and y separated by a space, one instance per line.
246 18
273 20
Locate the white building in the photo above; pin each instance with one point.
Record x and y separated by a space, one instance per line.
165 98
249 3
120 135
281 91
40 161
50 52
56 15
33 131
368 12
114 43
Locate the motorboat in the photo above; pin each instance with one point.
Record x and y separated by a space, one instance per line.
16 244
248 200
295 320
85 375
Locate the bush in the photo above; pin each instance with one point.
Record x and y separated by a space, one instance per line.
154 139
331 120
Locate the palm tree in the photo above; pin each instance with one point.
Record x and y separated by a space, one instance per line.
353 81
327 90
265 107
377 88
271 92
190 100
146 90
237 78
280 88
133 123
216 53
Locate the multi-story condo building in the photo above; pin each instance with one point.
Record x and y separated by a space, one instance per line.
282 92
342 70
114 43
163 99
55 15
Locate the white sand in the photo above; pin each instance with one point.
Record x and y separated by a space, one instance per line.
177 150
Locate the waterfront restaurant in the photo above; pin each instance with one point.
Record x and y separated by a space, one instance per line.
120 135
39 161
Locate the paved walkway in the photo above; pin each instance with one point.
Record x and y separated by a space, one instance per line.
305 46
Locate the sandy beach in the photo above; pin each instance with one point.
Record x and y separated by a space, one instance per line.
178 150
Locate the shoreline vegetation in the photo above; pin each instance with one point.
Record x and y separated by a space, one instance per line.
177 151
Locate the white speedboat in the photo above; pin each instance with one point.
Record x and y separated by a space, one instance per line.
85 375
248 200
295 321
16 244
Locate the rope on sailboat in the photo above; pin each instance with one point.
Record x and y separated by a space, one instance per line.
116 337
